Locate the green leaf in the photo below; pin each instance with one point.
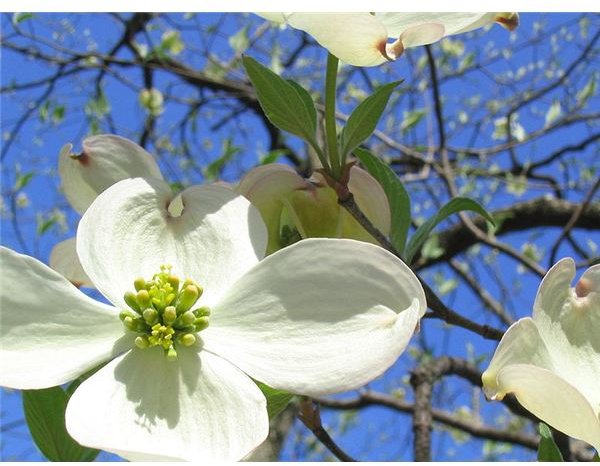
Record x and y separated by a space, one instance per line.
212 171
457 204
239 41
20 17
547 449
363 120
22 180
273 156
44 111
288 106
398 198
596 458
277 400
411 119
553 113
43 225
45 416
172 43
98 106
589 90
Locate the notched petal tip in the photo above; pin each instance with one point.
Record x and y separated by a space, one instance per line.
391 51
583 288
175 206
490 386
67 151
508 21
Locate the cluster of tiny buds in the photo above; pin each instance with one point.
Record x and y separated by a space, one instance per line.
161 312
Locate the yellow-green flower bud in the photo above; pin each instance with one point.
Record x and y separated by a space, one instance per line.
142 342
169 315
150 316
201 323
188 318
126 313
139 284
187 298
174 282
143 299
128 322
187 339
131 300
171 354
203 311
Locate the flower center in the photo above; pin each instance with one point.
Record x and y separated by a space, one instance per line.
160 310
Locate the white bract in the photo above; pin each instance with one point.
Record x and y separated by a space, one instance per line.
104 160
361 39
551 361
197 314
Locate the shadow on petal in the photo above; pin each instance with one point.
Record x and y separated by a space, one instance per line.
153 383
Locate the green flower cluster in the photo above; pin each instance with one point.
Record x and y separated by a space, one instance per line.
161 312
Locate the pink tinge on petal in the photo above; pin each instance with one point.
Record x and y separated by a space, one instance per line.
583 288
422 34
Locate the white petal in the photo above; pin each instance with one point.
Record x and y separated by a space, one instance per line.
371 198
570 325
317 317
279 18
590 281
453 23
65 261
552 399
51 332
554 289
143 407
521 344
133 228
264 186
105 160
422 34
552 362
355 38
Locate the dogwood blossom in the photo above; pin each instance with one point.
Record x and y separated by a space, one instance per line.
196 314
294 208
551 361
104 160
361 39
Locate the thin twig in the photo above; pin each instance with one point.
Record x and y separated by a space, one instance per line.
573 220
311 417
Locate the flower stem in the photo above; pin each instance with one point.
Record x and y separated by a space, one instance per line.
330 126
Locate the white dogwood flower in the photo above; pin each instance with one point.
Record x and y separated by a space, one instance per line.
196 314
295 208
104 160
361 39
551 361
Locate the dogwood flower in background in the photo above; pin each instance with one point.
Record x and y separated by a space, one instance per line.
196 314
361 39
104 160
294 208
551 362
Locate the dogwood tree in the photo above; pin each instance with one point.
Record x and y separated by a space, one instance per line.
300 236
